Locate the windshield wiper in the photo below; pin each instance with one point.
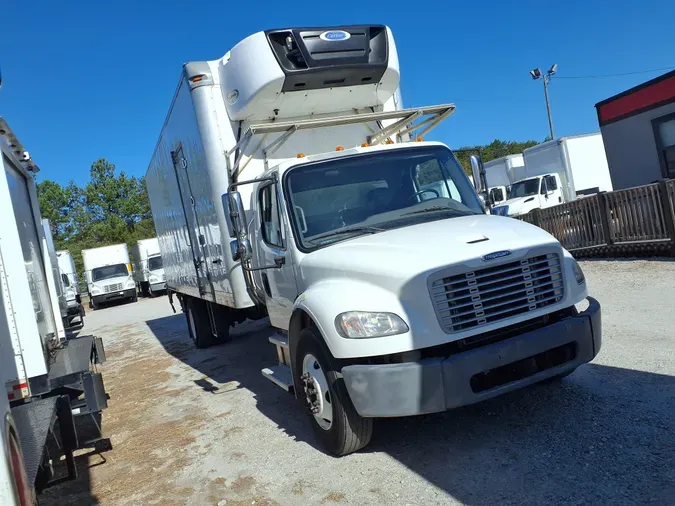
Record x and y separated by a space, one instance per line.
341 231
438 208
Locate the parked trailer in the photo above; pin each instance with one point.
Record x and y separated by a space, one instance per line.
500 173
558 171
49 378
148 268
108 273
71 283
284 184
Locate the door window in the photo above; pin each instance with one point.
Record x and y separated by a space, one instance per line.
551 183
270 220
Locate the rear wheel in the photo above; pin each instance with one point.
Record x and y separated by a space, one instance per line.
336 423
198 323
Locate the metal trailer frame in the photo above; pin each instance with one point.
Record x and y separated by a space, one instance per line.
57 379
409 122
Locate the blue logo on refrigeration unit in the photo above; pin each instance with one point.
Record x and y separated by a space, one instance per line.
334 35
495 255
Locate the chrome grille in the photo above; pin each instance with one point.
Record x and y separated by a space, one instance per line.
470 299
113 288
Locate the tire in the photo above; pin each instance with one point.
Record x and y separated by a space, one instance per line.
94 305
223 319
199 327
347 431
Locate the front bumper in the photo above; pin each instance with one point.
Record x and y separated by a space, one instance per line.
437 384
120 294
158 287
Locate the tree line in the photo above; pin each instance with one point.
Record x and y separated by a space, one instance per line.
111 208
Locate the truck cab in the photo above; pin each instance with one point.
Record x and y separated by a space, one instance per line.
393 302
539 192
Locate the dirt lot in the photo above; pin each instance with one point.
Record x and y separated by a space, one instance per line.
204 427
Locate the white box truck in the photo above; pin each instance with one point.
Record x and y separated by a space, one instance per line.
556 172
500 173
71 283
283 184
147 265
108 273
48 379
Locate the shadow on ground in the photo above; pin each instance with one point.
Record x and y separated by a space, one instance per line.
603 434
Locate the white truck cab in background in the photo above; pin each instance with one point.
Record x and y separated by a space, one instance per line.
148 269
285 184
561 170
108 273
70 282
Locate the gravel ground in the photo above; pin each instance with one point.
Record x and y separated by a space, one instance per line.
204 427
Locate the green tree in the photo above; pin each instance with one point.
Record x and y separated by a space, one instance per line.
111 208
496 149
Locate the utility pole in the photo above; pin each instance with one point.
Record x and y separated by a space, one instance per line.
546 78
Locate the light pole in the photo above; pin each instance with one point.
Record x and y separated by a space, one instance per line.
546 78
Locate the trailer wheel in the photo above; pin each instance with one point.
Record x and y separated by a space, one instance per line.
198 324
336 423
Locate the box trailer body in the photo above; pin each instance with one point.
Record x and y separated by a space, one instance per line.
289 182
148 266
71 283
500 173
37 362
54 280
108 273
561 170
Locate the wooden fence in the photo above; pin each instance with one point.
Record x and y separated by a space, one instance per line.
632 221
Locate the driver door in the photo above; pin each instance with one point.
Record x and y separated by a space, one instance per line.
278 282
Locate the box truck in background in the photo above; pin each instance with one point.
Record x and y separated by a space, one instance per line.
54 279
558 171
284 184
48 378
71 284
500 173
108 273
147 266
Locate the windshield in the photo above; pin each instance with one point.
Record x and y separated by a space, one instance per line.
155 263
109 271
339 199
524 188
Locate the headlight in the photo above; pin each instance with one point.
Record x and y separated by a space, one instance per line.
578 273
358 324
96 290
153 279
131 283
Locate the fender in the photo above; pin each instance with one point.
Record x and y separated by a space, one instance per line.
323 302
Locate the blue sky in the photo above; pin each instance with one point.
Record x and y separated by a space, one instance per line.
84 80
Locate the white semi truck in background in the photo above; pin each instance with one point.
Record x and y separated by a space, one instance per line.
500 173
71 284
556 172
108 273
147 266
289 182
49 377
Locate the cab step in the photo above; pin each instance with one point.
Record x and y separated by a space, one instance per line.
281 375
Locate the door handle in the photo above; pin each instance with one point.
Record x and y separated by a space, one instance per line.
279 261
217 260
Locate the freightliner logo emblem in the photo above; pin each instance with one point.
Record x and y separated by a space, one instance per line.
495 255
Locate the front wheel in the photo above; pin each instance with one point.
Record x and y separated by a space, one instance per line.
337 425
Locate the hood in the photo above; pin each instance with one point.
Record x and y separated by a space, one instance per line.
396 256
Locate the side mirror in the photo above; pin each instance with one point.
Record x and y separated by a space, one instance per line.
234 211
476 170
